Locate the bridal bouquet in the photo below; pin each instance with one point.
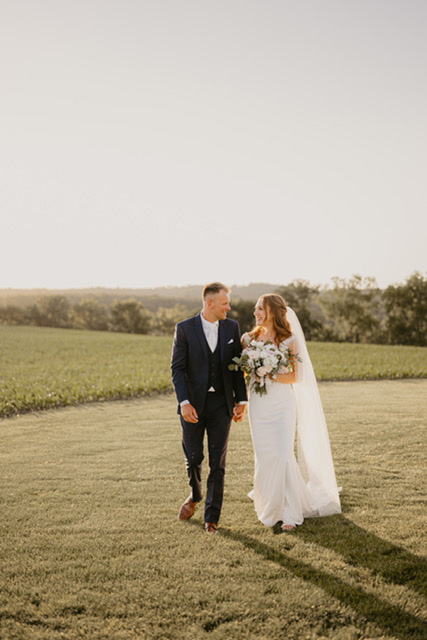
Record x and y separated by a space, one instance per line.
260 360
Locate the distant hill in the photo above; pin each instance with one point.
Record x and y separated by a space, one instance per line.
152 298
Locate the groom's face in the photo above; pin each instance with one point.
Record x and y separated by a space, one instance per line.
219 304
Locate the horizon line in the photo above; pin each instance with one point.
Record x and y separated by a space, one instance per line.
201 285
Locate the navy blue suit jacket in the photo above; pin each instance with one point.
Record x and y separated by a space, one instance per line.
190 363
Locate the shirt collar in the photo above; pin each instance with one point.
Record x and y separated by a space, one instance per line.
211 326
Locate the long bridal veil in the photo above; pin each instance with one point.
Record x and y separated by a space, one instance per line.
314 451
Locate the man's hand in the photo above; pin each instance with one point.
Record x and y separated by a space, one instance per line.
189 413
239 412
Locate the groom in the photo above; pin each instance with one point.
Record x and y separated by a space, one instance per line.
209 395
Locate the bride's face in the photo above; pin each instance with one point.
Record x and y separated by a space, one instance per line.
260 313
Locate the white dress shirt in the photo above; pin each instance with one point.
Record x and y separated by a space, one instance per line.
211 332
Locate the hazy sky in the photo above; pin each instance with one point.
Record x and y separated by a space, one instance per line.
166 142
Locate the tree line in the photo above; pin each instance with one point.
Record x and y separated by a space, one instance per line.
354 310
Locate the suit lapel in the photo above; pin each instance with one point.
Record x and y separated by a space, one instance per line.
222 338
201 335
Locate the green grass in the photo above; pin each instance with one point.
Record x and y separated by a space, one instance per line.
44 368
344 361
91 546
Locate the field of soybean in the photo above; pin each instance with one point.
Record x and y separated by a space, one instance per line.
43 368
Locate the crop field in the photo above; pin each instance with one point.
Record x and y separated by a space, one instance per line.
43 368
46 368
91 547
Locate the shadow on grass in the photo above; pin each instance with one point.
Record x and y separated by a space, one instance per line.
359 547
390 618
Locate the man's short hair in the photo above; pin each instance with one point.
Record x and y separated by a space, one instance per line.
214 287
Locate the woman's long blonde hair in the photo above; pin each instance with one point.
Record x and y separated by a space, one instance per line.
276 305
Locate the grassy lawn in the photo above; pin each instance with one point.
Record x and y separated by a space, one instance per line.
91 546
44 368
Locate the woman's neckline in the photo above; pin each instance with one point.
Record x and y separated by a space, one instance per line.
269 341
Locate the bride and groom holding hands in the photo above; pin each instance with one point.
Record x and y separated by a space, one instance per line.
208 360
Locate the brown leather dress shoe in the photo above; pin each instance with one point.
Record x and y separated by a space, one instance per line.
187 509
211 527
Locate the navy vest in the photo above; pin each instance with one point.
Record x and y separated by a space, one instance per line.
215 373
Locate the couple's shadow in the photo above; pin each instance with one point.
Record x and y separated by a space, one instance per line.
357 547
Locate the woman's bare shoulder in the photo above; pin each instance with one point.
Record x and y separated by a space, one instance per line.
246 338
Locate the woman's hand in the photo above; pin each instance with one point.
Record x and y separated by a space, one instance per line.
285 378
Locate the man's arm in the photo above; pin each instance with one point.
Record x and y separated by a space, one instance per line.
239 385
179 364
179 379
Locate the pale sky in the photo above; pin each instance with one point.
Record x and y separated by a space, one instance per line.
164 142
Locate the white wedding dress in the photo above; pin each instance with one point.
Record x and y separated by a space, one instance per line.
280 491
286 489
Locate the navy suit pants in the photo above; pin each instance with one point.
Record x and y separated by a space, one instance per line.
215 421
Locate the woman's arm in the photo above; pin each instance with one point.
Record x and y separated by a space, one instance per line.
286 378
291 377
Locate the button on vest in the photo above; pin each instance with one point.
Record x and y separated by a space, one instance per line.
215 373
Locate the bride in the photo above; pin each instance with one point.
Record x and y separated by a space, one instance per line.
285 490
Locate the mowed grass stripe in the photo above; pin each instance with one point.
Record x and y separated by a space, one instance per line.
43 368
91 546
